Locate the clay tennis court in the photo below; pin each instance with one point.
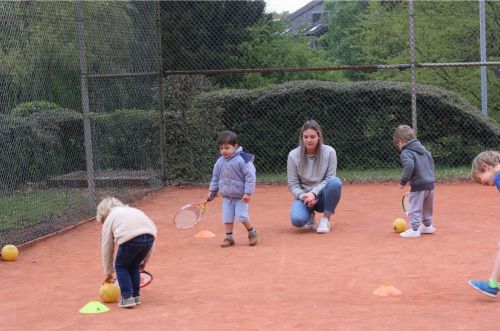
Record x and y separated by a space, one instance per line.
293 279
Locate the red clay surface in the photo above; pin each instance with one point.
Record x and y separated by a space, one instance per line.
294 279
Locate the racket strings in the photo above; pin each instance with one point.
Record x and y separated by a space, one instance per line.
188 216
145 278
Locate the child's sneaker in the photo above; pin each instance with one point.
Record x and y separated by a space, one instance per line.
427 229
227 242
137 300
484 287
410 233
253 238
126 303
311 225
324 226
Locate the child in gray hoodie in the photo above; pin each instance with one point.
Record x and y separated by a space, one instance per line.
234 177
418 170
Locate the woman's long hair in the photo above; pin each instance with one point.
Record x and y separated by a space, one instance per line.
311 124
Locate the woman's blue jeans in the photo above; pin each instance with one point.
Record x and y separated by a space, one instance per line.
327 202
127 264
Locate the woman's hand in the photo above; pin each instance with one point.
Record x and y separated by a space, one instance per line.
309 199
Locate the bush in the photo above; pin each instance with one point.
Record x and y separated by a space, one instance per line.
126 139
358 120
35 147
28 108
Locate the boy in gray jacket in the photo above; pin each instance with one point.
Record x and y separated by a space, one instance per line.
418 169
234 177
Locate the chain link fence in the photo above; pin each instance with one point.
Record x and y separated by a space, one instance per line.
123 98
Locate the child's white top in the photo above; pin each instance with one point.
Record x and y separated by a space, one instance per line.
121 225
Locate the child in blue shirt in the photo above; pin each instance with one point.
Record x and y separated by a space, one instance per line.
234 177
485 171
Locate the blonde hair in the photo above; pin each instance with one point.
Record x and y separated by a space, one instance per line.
404 133
491 158
105 206
311 124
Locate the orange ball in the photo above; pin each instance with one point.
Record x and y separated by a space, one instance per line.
9 253
399 225
109 292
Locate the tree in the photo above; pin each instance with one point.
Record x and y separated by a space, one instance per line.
344 16
39 52
204 35
270 47
445 31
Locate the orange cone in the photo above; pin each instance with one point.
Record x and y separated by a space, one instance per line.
204 234
387 291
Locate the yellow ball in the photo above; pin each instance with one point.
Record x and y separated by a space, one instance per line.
399 225
9 253
109 292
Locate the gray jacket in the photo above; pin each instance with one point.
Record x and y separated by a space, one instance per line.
418 166
234 176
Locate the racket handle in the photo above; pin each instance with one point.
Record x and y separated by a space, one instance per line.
211 196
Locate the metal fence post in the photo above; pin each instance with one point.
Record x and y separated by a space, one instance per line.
160 96
482 38
86 108
413 69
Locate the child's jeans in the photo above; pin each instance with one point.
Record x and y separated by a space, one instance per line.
127 264
327 202
421 208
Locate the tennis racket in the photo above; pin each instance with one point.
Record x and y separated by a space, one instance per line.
146 279
190 215
405 202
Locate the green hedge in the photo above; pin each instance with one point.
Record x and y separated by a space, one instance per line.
38 144
358 120
126 139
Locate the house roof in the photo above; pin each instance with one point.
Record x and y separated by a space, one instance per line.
308 14
303 10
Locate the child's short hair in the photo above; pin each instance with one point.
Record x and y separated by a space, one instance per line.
105 206
491 158
227 137
404 133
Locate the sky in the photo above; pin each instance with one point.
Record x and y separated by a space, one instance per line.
285 5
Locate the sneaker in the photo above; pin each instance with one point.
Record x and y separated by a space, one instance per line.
126 303
311 225
253 238
137 300
427 229
484 287
410 233
324 226
227 242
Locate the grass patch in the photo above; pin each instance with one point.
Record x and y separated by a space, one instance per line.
376 176
23 208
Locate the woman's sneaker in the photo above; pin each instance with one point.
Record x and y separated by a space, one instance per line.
427 229
137 300
324 225
311 225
